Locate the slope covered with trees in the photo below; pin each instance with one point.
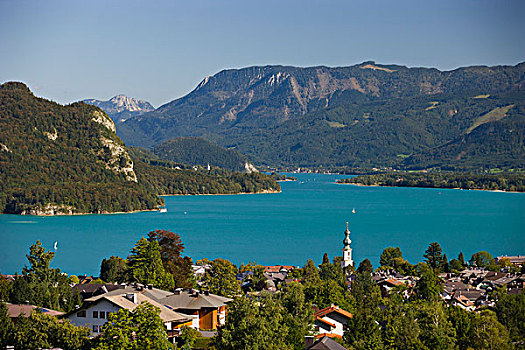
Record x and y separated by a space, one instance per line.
198 151
501 182
58 159
63 159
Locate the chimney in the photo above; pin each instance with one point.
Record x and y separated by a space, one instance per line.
309 340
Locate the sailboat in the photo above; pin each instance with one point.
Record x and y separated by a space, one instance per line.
353 211
55 245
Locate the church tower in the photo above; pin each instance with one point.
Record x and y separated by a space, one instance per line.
347 251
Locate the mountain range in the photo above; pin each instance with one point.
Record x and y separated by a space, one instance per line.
361 116
122 107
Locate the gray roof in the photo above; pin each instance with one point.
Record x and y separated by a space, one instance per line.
119 299
193 300
326 343
15 310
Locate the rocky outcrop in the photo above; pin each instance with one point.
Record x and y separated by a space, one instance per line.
119 161
50 209
250 168
52 136
4 148
102 118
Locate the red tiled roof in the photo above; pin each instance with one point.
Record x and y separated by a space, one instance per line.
331 309
277 268
325 321
329 335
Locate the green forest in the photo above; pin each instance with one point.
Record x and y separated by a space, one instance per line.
58 159
198 151
493 182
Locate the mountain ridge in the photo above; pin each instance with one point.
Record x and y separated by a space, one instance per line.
236 108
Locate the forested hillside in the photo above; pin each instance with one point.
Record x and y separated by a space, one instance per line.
63 159
363 115
197 151
58 159
493 182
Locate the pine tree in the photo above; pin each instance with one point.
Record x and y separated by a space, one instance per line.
461 258
433 255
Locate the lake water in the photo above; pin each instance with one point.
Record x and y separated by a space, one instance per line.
304 221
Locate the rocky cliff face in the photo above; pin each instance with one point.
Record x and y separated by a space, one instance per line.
119 160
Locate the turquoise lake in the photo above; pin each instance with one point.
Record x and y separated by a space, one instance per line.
304 221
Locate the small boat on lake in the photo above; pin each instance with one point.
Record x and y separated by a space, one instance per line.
163 210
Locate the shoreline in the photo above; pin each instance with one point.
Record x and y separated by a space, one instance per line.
220 194
141 210
436 188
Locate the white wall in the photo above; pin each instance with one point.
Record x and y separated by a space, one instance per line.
89 321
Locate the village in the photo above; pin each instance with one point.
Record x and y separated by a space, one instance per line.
473 287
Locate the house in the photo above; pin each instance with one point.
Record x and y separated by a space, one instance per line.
488 281
468 299
85 279
87 291
16 310
463 302
208 310
278 268
517 260
199 271
388 284
203 310
331 321
324 343
94 313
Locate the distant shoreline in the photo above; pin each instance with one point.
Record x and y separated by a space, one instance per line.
220 194
143 210
437 188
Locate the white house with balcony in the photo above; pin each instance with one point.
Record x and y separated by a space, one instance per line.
95 312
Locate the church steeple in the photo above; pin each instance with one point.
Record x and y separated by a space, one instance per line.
347 251
347 240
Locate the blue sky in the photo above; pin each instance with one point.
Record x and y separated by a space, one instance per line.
68 50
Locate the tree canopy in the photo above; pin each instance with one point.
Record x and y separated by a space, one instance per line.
139 329
145 265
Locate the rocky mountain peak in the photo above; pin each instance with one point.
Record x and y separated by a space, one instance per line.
121 107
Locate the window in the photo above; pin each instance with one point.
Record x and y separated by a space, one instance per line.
81 313
95 328
101 314
95 314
